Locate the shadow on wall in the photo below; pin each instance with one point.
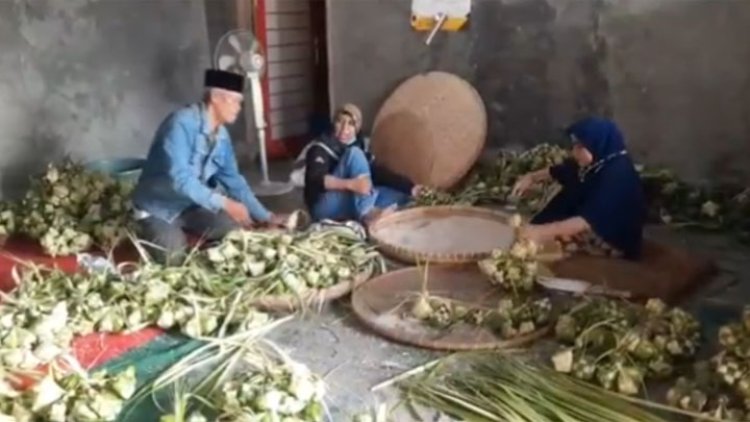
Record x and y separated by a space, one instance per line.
682 97
92 79
29 158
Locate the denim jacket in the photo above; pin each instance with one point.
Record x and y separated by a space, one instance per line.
184 167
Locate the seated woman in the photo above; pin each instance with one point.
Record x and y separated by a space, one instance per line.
342 180
602 203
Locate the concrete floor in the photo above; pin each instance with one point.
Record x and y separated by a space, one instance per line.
353 359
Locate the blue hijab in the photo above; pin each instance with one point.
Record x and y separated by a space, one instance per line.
607 194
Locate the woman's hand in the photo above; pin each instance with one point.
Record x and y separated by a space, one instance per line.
360 185
530 232
522 185
541 233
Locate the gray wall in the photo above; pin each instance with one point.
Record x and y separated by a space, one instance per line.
674 73
92 78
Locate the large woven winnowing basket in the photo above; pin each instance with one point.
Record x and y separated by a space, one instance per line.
431 129
382 304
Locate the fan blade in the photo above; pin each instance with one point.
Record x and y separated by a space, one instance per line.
225 62
235 43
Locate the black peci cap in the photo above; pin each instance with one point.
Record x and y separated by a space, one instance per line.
224 80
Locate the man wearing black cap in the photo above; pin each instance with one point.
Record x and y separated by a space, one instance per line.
190 157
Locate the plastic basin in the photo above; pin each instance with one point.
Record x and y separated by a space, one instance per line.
121 168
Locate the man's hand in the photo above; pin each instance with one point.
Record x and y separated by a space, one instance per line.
418 190
237 212
278 220
360 185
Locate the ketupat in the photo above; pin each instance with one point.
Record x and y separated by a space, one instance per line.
512 317
7 219
39 319
77 396
675 202
69 209
237 378
720 387
283 263
281 392
48 307
514 270
619 344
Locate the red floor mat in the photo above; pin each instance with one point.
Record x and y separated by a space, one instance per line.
91 350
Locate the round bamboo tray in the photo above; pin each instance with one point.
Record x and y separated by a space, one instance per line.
382 302
446 235
314 299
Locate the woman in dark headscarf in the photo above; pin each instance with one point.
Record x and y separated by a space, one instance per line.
601 202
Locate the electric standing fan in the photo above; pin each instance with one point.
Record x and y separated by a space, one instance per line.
240 52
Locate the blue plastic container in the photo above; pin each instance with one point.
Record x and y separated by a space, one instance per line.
120 168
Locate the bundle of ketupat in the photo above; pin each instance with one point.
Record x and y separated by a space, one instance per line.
512 317
48 308
7 220
515 270
291 392
720 387
281 263
69 209
619 344
62 397
241 377
675 202
275 392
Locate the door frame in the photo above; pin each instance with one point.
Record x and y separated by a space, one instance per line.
290 148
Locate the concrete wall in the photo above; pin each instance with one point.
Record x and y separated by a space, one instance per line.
92 78
674 73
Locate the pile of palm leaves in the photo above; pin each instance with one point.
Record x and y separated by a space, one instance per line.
493 387
239 377
492 183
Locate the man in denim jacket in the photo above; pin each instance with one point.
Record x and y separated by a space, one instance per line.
190 157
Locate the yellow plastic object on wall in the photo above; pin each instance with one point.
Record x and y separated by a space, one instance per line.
424 14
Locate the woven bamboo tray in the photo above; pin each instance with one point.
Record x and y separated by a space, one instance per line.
446 235
432 129
381 303
314 299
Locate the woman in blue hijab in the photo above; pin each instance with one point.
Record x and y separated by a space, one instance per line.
601 197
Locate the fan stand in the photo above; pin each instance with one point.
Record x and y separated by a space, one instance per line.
266 187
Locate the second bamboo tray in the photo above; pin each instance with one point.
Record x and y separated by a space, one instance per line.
447 235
